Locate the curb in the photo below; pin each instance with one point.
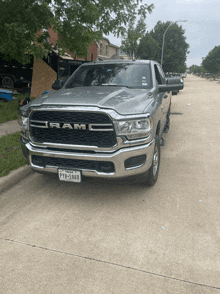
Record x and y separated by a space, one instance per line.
14 177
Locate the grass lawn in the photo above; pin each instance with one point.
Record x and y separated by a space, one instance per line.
9 110
10 154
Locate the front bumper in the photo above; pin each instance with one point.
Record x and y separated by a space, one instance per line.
118 158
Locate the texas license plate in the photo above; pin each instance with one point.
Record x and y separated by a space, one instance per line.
70 175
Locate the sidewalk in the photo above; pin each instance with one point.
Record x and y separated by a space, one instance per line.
9 127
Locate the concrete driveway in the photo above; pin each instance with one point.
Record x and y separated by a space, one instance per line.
100 237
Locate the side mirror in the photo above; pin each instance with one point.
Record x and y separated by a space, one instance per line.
57 84
174 81
167 88
172 84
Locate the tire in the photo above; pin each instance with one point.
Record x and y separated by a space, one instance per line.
152 174
8 82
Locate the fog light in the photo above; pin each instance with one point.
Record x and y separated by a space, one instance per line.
38 160
136 161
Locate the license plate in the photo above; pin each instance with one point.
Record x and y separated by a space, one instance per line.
70 175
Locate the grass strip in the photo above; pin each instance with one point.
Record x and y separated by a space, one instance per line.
9 110
10 154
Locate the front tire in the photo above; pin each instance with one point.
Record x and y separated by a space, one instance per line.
152 174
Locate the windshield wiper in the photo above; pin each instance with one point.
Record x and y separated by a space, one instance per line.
109 84
114 85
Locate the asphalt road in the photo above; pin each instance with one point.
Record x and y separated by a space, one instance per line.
97 237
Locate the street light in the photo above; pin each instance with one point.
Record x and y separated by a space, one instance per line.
173 22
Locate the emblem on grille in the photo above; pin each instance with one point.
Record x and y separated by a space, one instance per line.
70 126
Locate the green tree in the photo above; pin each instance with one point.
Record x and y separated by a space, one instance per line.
78 22
134 33
175 46
211 62
148 48
195 69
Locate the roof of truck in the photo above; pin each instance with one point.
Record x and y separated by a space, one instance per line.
114 61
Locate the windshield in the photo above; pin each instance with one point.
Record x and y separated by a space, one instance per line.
127 75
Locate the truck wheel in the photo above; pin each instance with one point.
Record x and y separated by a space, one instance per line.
154 169
8 82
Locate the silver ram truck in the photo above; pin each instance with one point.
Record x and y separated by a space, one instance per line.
106 121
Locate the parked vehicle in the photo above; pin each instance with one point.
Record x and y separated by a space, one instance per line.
14 75
106 121
63 65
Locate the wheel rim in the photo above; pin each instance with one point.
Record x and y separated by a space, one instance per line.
155 160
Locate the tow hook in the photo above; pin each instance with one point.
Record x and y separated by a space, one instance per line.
162 141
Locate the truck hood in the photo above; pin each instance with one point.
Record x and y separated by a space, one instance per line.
121 99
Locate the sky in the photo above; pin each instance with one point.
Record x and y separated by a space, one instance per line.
202 29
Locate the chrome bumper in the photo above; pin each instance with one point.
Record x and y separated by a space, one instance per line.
118 158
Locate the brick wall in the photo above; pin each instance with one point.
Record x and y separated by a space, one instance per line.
53 36
43 78
92 53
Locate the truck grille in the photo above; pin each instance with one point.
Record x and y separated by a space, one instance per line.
101 134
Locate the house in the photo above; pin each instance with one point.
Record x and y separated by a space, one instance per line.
106 50
123 55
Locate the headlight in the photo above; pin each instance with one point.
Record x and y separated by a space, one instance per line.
134 128
23 121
